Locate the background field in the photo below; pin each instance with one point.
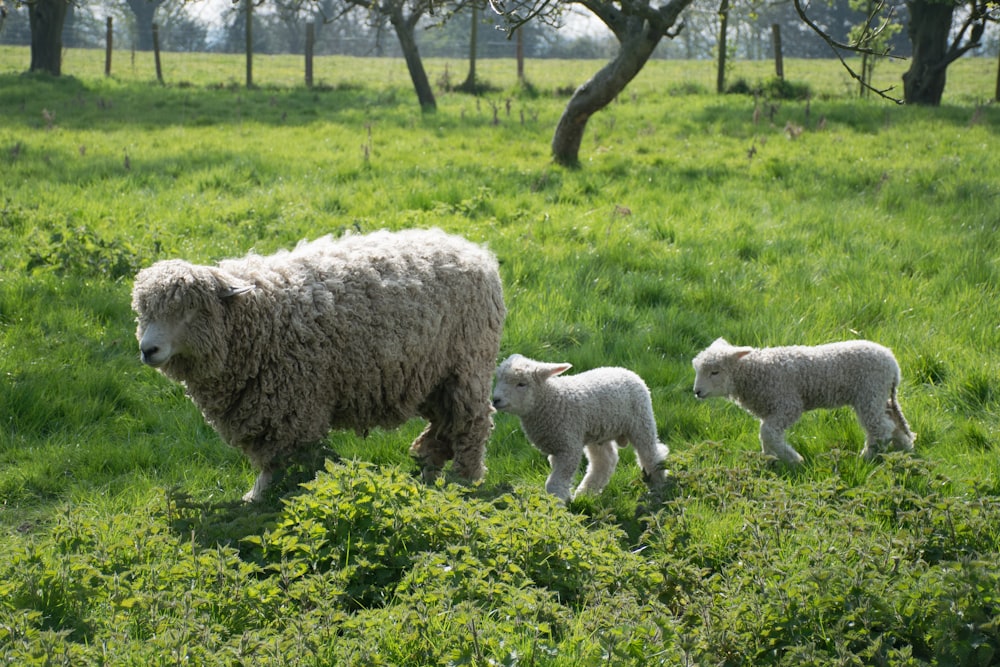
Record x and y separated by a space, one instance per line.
693 216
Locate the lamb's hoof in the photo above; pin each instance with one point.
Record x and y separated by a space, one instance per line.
251 497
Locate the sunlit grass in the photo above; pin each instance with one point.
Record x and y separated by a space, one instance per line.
690 218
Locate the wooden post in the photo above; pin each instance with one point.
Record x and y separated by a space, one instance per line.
310 40
156 52
249 4
779 65
720 73
520 55
107 50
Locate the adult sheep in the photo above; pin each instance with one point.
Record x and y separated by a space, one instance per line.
358 332
778 384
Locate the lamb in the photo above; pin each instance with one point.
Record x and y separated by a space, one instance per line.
778 384
593 411
361 332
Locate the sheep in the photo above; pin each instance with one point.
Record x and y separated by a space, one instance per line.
591 412
778 384
361 332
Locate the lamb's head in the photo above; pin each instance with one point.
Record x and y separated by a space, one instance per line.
714 367
519 382
179 308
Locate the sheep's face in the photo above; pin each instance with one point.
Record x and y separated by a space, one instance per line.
713 369
520 381
179 308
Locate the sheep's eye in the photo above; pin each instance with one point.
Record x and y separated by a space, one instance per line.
713 373
522 385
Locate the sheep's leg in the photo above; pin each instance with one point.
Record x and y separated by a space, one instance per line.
564 467
772 440
256 492
468 407
431 452
602 458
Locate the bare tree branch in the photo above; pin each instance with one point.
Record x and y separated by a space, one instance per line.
837 47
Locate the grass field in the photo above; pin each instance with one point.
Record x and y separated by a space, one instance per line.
692 217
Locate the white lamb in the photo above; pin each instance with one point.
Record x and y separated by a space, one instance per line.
778 384
358 332
595 411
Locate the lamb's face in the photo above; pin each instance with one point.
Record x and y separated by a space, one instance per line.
713 369
520 381
515 388
711 378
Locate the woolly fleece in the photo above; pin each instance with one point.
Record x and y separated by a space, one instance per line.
359 332
592 412
778 384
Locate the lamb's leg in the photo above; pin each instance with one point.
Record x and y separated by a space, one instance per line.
902 436
564 467
256 492
772 440
602 458
651 454
879 429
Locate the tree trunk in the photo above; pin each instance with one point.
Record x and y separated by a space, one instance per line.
46 18
720 73
405 29
469 85
144 10
591 97
928 29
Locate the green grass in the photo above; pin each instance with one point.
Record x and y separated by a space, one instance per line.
687 221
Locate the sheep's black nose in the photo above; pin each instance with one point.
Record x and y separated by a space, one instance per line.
148 352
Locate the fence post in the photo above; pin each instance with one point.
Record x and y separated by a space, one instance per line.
156 52
107 49
310 40
779 66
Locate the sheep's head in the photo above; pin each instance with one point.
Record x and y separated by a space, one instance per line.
713 368
180 307
519 380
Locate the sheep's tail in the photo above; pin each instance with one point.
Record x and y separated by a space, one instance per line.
896 415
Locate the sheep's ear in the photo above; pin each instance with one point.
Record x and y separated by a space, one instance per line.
546 371
720 342
741 352
235 290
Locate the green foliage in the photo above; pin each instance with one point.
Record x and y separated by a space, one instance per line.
692 217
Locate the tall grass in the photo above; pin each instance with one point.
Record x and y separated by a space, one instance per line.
692 217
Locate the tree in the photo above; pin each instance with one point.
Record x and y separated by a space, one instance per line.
46 18
638 25
929 30
404 16
144 11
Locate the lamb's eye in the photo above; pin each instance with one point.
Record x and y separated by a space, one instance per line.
522 385
713 373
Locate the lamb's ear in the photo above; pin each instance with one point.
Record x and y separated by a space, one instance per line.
546 371
740 352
